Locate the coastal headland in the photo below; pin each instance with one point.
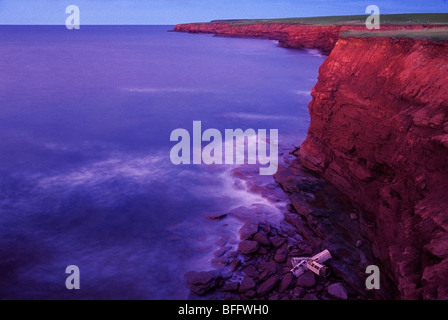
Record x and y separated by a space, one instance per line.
370 181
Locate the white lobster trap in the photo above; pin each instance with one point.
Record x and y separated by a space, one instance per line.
314 264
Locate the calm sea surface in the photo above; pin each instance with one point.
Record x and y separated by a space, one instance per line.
85 173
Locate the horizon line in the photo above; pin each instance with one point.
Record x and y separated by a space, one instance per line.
226 19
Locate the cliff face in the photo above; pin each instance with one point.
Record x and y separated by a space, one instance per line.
379 132
322 38
289 35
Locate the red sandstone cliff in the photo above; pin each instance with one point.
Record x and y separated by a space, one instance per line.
290 35
379 132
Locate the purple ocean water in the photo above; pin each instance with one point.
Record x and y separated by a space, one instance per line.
85 171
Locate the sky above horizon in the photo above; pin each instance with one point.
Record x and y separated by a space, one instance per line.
169 12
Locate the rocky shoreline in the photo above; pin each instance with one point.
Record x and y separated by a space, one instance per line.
318 217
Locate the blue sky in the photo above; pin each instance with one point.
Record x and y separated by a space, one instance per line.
180 11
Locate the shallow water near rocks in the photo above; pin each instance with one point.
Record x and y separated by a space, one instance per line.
85 173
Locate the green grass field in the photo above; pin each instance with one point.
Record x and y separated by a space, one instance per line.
420 18
430 34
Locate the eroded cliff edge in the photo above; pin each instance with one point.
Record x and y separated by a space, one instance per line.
379 133
289 35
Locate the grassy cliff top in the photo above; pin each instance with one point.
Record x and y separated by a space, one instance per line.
404 19
438 34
